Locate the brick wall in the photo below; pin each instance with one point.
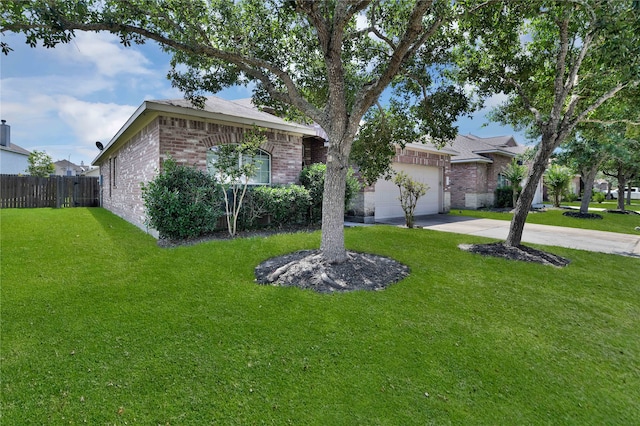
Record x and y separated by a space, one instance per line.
188 141
474 184
314 151
123 171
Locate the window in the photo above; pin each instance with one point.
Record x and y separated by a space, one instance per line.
502 181
114 163
262 160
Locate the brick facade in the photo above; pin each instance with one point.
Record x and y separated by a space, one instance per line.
188 141
138 159
475 183
122 172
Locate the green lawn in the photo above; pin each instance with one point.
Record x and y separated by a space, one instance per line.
606 204
612 222
100 326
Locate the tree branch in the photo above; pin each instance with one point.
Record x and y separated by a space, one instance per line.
526 101
602 99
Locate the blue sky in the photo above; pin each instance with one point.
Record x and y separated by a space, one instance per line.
65 99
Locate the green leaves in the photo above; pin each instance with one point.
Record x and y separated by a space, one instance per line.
40 164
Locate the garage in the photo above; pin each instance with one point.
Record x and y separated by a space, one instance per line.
387 204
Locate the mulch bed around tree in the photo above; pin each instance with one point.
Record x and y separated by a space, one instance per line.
579 215
307 269
522 253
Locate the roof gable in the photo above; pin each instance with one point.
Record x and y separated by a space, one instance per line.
473 149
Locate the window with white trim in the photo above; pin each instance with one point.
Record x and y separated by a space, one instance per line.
261 159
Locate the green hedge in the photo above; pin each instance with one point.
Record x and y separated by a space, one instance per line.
182 202
280 204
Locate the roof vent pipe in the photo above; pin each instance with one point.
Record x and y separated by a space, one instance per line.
5 134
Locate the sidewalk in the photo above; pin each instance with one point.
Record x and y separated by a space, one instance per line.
575 238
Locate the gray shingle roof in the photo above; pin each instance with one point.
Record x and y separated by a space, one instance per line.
471 148
15 148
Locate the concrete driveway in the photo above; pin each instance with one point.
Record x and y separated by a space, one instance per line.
581 239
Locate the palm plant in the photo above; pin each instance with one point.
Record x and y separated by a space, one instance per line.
557 179
514 173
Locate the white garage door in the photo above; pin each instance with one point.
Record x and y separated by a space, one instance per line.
387 193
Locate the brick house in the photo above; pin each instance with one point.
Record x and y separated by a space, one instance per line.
476 170
163 128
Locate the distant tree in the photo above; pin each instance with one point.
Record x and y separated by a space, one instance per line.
410 191
557 179
40 164
623 165
585 152
514 173
558 62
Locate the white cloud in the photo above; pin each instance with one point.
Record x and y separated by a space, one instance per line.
104 51
494 101
93 121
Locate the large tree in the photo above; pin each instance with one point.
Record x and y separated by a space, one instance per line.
557 62
327 61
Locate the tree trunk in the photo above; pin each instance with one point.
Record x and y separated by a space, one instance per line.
589 176
622 183
332 245
523 205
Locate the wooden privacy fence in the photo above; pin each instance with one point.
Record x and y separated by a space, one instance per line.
54 191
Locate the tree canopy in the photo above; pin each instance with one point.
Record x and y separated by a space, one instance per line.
557 63
327 61
40 164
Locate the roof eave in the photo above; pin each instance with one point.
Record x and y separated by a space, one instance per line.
471 160
138 112
495 151
432 148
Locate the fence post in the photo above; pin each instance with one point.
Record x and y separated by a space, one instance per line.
59 191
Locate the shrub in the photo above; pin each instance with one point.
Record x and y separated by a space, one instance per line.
598 197
312 178
410 191
504 197
182 202
557 179
570 196
284 204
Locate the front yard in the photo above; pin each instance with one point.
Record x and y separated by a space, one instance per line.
100 326
611 222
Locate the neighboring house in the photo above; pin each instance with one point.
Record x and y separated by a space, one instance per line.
13 158
162 128
424 163
67 168
476 171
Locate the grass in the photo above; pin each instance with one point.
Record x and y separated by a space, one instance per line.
101 326
611 222
606 204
